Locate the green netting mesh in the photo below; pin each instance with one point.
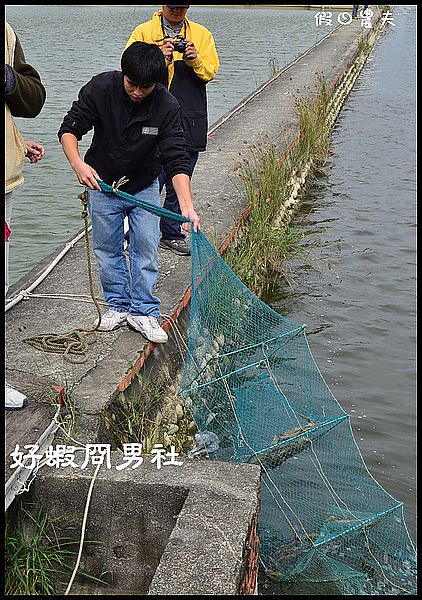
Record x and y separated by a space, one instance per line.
257 396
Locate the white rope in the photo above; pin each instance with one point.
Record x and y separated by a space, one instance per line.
115 185
380 566
88 500
87 503
77 297
48 269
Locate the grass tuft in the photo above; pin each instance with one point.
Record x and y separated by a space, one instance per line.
267 181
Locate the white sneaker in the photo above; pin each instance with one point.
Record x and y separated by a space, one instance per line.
112 319
149 327
14 400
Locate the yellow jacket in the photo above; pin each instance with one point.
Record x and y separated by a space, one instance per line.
205 65
25 100
15 145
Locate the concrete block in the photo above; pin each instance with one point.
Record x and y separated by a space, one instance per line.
188 529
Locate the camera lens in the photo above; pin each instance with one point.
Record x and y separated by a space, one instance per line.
180 45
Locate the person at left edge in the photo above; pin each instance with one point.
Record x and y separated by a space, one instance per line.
135 121
24 95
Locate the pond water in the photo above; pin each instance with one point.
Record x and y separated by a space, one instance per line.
70 44
355 286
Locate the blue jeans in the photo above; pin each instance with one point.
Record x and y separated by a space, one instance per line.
124 290
171 229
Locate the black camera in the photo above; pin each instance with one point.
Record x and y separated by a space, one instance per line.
179 44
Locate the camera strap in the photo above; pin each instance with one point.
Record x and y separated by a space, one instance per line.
169 31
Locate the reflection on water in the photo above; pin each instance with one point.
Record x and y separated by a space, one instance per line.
358 298
68 45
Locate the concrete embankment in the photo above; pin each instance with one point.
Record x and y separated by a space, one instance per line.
266 118
159 531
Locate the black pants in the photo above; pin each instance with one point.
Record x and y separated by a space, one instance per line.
356 7
171 229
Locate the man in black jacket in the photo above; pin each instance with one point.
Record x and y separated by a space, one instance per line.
136 125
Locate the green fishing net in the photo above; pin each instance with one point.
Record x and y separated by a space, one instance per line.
326 527
257 396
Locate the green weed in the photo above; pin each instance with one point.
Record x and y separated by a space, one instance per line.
131 418
32 563
266 179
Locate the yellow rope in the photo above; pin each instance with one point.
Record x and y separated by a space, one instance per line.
75 342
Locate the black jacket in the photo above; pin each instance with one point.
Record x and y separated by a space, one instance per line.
130 140
192 96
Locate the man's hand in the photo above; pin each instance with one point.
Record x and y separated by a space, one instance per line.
34 151
167 49
191 214
190 52
87 176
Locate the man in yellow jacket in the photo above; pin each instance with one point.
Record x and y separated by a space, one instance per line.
192 61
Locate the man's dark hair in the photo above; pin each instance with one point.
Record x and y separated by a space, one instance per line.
144 63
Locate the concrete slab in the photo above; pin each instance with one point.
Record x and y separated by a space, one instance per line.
178 530
36 418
